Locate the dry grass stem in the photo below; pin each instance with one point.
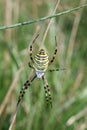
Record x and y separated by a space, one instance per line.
11 89
49 24
8 18
73 35
79 79
76 117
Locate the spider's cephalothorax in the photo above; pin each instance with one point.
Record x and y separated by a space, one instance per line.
40 65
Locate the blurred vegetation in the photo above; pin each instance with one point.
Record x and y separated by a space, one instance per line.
69 88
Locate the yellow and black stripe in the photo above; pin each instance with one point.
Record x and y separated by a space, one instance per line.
41 60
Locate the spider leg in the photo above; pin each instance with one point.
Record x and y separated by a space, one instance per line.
55 52
31 47
23 90
29 64
46 94
58 69
47 91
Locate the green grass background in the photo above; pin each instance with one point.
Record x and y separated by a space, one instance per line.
68 88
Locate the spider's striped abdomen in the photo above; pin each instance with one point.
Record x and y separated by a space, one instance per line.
41 61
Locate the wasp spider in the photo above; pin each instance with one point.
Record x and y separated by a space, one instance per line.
40 65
